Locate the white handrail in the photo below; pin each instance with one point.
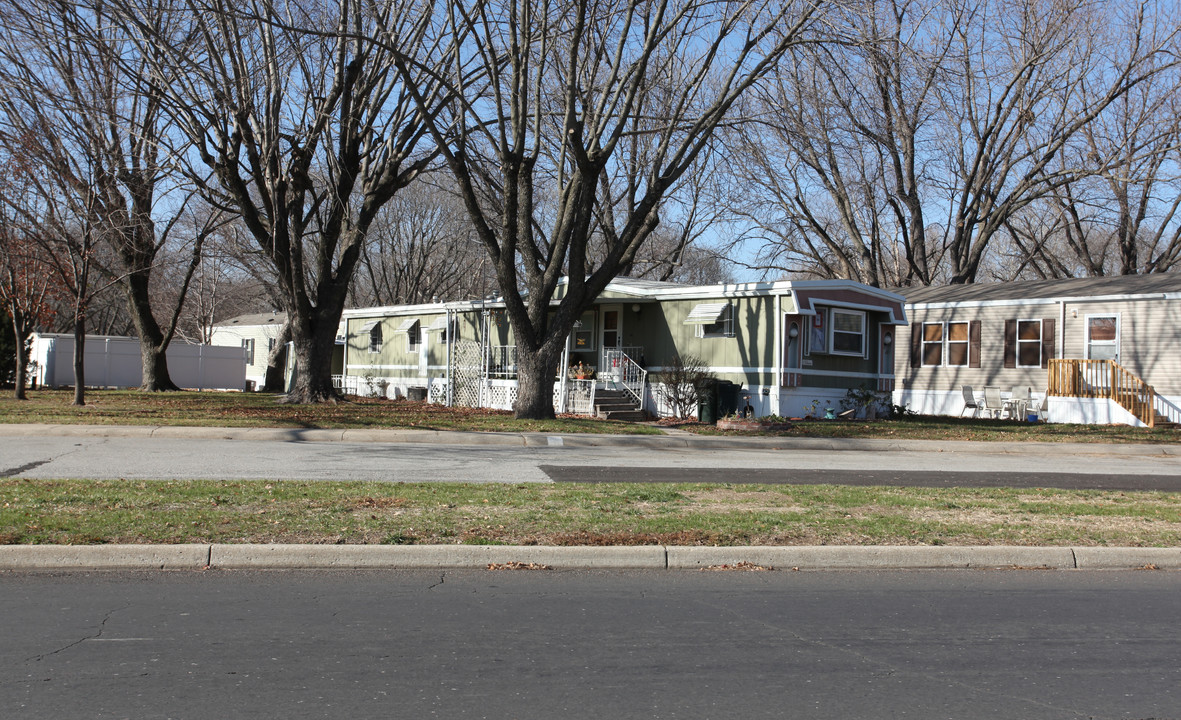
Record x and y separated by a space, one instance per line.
627 373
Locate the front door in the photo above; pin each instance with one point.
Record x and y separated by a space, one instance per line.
1103 337
610 333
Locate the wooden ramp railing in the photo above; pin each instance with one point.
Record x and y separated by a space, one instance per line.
1103 379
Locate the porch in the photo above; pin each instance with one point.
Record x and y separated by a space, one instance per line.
1077 388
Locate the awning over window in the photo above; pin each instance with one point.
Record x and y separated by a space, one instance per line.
407 325
439 323
707 313
368 326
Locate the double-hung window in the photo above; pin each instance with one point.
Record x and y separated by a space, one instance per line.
945 344
248 346
1029 343
848 332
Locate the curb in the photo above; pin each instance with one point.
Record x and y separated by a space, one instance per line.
534 440
645 557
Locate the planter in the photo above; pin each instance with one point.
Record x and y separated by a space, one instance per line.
745 425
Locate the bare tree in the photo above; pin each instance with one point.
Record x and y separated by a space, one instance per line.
1029 79
422 248
26 284
1124 218
896 157
300 128
65 66
835 169
593 113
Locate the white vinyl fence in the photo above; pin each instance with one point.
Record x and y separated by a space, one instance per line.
116 362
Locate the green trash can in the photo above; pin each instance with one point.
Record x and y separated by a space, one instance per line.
727 398
707 401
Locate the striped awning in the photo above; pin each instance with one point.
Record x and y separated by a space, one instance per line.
707 313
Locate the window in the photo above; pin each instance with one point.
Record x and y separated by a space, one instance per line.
712 320
1103 337
957 344
1029 343
932 344
375 338
248 344
848 332
270 346
954 344
413 332
449 328
584 332
945 344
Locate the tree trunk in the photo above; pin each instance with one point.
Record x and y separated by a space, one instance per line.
313 342
535 383
277 361
152 343
21 357
79 359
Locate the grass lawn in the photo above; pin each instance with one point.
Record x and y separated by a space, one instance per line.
122 511
131 407
234 409
125 511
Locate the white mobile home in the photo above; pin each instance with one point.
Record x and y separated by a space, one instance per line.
1093 350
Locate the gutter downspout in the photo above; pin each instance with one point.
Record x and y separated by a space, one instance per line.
777 356
1062 329
449 396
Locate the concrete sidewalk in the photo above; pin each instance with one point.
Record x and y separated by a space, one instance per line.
648 557
671 439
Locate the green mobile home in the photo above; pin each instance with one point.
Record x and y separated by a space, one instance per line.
787 346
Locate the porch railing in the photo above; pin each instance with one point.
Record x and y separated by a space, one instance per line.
502 361
620 369
1103 379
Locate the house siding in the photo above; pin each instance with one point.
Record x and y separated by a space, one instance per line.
1149 345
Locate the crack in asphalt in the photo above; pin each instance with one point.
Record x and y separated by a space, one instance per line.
16 471
13 472
101 627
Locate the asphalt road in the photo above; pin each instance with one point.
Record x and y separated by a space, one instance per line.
1095 466
518 644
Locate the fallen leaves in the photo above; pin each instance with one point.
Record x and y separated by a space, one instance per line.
517 565
743 566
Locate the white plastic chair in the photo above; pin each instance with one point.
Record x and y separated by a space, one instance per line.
1037 406
1019 402
993 405
969 401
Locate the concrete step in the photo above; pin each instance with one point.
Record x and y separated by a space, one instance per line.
632 415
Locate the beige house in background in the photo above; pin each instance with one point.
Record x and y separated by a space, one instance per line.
1093 350
257 335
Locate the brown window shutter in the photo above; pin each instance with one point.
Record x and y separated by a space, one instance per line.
1049 336
916 345
1010 343
974 343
